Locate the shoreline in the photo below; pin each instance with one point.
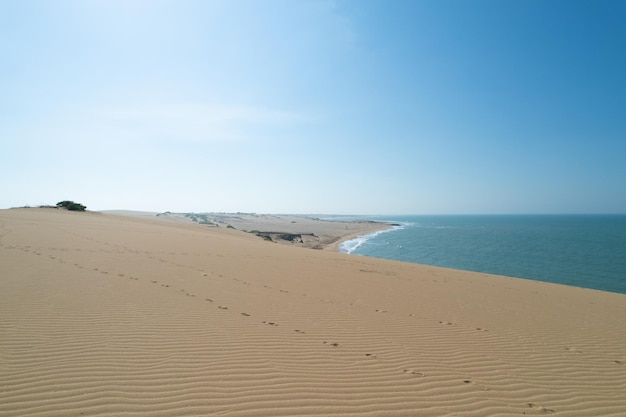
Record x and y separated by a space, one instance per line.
376 227
365 237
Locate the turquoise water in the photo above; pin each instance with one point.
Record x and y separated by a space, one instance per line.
581 250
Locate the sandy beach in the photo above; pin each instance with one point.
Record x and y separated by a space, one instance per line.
303 231
111 315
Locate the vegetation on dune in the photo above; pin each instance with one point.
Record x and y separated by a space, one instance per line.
200 218
70 205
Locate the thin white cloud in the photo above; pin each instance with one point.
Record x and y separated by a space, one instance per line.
194 121
147 123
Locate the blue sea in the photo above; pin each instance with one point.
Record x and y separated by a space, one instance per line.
581 250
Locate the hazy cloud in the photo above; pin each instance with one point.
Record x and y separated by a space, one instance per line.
195 121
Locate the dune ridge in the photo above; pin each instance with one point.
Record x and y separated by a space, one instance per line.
104 315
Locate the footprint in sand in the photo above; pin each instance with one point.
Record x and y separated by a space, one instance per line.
445 322
619 362
482 387
208 299
334 344
371 355
245 314
540 408
412 372
381 311
222 308
270 323
299 331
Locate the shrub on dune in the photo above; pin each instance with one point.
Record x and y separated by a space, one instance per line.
70 205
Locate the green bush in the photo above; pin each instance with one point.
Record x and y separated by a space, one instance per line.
70 205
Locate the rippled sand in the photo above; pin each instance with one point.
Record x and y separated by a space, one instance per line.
104 315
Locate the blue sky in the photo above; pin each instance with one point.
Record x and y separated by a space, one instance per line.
344 107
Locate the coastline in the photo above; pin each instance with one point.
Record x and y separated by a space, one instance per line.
358 240
375 227
110 315
294 230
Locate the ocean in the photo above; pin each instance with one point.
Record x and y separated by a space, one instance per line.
581 250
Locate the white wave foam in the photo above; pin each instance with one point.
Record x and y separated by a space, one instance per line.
349 246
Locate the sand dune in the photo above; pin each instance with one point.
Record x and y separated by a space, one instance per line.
104 315
309 232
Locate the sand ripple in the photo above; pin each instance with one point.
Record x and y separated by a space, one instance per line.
108 316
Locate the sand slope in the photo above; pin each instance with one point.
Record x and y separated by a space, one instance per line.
105 315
